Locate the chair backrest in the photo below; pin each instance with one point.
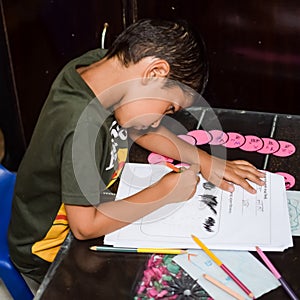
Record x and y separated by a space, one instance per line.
11 277
7 184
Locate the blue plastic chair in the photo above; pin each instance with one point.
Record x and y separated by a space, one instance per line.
11 277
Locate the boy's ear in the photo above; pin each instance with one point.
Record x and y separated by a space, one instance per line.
157 68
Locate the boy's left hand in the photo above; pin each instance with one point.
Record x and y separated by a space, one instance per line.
223 173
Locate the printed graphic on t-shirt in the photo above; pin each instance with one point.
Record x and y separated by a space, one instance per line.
119 150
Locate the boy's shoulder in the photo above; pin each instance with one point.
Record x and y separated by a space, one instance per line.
86 59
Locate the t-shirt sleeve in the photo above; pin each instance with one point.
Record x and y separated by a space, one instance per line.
80 179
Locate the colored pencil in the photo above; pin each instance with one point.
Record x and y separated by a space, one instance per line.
138 250
223 287
223 267
174 169
277 275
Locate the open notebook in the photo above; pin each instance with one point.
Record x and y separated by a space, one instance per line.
222 220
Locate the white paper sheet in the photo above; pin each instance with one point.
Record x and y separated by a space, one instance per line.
222 220
254 275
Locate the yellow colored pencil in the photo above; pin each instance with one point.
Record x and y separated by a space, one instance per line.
207 251
223 287
138 250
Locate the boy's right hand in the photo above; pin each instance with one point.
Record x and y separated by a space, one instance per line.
178 187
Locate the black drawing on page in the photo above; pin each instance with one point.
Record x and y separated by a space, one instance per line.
210 201
209 223
208 186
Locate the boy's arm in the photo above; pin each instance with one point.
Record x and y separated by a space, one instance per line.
88 222
218 171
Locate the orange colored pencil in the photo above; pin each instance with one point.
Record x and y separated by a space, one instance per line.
223 287
174 169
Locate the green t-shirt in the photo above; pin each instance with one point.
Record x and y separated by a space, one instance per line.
76 151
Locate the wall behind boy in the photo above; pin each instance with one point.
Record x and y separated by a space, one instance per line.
42 36
253 48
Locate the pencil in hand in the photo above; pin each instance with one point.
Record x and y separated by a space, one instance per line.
174 169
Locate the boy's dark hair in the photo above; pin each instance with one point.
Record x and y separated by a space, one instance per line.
172 41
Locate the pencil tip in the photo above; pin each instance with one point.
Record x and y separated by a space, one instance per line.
190 255
93 248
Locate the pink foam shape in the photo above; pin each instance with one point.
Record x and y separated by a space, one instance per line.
286 149
188 138
288 179
155 158
235 140
219 137
270 146
252 143
202 136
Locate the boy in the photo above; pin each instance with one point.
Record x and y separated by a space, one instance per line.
79 144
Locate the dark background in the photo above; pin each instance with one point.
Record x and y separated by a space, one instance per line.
253 48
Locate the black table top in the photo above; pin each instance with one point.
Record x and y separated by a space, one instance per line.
79 273
83 274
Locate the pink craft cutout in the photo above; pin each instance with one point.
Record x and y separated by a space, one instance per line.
188 138
219 137
252 143
270 146
288 179
202 137
286 149
235 140
154 158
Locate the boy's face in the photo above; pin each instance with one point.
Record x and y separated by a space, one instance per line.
145 106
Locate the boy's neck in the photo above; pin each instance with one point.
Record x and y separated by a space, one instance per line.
100 77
